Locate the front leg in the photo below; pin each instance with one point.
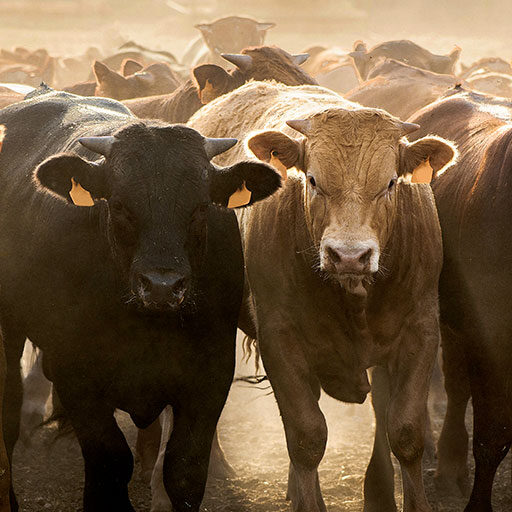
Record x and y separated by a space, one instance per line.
296 391
407 414
107 457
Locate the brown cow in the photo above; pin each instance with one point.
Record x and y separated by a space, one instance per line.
473 201
404 51
5 481
342 267
225 35
486 65
401 89
498 84
210 81
156 78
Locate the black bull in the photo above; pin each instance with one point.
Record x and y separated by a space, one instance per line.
134 300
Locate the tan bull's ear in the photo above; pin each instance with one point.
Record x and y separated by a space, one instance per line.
212 81
426 158
277 149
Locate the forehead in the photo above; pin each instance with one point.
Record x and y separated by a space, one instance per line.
355 145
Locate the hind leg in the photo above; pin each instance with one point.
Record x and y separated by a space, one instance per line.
36 390
5 480
452 450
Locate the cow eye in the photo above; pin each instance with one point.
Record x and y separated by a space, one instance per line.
312 181
117 206
391 184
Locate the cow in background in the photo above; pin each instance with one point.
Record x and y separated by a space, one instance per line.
210 81
226 35
356 255
404 51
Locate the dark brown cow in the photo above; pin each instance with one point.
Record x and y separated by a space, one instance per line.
342 266
473 200
404 51
210 81
5 480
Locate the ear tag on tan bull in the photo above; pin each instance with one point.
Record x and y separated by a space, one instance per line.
240 198
207 93
79 195
278 166
422 173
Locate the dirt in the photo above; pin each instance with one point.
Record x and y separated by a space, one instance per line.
49 475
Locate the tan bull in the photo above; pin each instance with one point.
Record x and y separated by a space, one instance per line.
343 266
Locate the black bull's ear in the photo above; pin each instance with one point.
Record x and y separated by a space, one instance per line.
243 184
58 173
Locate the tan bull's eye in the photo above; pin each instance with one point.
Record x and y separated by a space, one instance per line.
312 181
274 153
391 183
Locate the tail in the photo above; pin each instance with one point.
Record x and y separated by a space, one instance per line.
248 345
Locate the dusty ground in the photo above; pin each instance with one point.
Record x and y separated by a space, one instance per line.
50 476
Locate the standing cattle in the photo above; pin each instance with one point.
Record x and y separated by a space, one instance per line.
400 89
4 461
342 266
404 51
210 81
473 201
134 300
225 35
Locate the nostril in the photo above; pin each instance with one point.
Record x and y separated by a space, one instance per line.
179 287
364 259
145 283
333 255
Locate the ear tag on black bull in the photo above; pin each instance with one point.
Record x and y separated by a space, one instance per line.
79 195
240 198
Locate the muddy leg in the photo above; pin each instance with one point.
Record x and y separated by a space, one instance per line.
14 341
36 390
147 447
304 423
452 450
160 501
5 472
379 482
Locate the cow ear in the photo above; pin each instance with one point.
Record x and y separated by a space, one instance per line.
73 178
204 28
426 158
243 184
279 150
130 67
104 74
212 81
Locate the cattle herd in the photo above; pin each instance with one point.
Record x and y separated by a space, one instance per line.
348 210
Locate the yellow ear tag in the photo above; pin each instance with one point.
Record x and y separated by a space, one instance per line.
207 93
79 195
240 198
422 173
279 166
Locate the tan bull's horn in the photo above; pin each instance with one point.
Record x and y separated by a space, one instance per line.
101 145
301 125
242 62
300 58
146 77
214 147
408 128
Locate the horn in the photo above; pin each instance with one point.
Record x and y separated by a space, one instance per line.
101 145
408 128
214 147
242 62
301 125
146 77
300 58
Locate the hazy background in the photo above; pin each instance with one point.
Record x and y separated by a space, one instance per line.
64 27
